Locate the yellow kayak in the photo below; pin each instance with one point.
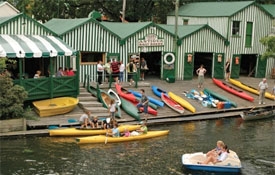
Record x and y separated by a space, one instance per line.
104 139
182 102
87 132
250 89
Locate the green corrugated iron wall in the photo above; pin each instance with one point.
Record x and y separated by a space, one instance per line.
205 40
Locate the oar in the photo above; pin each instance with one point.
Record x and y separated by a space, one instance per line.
252 108
106 139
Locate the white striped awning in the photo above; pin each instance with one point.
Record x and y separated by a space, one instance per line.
33 46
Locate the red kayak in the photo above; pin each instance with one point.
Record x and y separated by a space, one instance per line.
233 90
171 103
125 93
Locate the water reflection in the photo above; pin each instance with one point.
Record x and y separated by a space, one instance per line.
252 141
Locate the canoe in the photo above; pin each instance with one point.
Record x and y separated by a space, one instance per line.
157 91
232 90
231 164
151 99
55 106
88 132
250 89
182 102
257 114
112 93
218 96
105 99
122 92
103 139
171 103
130 108
92 90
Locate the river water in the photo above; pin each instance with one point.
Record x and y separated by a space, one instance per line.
254 142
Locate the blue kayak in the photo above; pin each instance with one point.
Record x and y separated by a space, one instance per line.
151 99
157 91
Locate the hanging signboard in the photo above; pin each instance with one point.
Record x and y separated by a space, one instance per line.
151 40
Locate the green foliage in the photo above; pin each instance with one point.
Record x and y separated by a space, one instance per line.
269 42
12 99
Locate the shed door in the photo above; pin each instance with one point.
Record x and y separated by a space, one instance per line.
218 71
261 67
188 66
236 66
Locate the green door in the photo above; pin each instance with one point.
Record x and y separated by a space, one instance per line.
169 61
236 66
261 67
188 66
218 71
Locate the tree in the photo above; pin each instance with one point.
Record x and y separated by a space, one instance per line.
12 97
269 42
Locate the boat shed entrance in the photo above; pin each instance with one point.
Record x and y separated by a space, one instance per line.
38 52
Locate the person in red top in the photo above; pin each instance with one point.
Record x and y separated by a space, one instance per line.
71 72
115 70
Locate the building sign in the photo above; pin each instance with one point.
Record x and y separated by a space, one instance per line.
151 40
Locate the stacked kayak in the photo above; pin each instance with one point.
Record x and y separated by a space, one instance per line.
232 90
250 89
105 139
182 102
122 92
157 91
112 93
151 99
171 103
87 131
105 99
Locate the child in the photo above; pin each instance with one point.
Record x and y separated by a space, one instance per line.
112 108
216 151
126 133
94 122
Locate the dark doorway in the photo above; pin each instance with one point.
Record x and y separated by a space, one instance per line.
204 59
248 65
153 60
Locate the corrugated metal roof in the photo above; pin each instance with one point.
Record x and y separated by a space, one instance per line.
186 30
124 30
212 9
270 8
61 26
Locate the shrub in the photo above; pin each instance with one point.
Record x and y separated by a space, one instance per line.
12 98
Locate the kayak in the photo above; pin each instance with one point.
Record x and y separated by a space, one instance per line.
151 99
250 89
232 90
112 93
218 96
105 139
182 102
105 99
88 131
157 91
122 92
171 103
130 108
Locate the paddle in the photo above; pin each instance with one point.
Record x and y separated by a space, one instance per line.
252 108
106 139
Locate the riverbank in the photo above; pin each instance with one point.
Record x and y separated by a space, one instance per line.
39 125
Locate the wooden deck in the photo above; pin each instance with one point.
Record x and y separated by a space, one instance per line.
165 114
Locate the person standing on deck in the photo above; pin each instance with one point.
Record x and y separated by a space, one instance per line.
262 88
200 72
107 68
227 70
121 71
100 70
115 70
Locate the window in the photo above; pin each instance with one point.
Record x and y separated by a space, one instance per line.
91 57
248 35
236 28
185 21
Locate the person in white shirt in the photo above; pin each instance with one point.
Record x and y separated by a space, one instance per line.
223 155
121 71
100 70
262 88
200 72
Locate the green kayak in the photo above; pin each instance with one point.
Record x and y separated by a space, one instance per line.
129 108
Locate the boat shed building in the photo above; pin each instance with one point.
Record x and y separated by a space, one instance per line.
34 47
242 23
167 56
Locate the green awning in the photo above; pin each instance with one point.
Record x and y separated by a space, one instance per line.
33 46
